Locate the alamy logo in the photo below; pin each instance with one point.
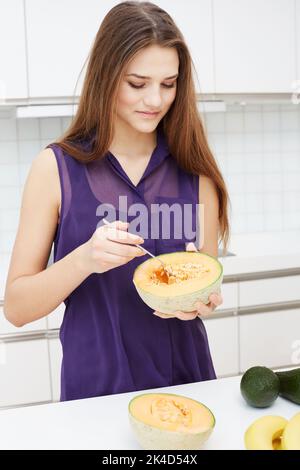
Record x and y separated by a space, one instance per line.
160 221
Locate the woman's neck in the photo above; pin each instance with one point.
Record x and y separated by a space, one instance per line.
129 144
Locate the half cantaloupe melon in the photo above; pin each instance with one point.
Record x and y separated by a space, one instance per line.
164 421
196 276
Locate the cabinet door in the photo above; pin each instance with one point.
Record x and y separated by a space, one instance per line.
60 34
13 82
24 372
55 366
254 46
298 43
8 328
223 342
270 339
272 290
194 19
229 293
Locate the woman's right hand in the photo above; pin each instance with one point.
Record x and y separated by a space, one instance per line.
109 248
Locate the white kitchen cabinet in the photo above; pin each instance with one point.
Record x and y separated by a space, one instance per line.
244 46
7 328
60 34
194 19
229 291
270 339
254 46
223 342
13 81
272 290
24 372
55 318
298 44
55 351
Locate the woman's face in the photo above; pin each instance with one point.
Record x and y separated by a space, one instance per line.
155 94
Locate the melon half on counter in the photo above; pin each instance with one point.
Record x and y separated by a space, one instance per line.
165 421
195 277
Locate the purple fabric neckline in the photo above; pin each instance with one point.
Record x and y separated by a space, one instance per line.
159 154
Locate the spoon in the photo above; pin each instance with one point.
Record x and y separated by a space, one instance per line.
166 269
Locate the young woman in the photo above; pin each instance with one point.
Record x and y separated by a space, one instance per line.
112 342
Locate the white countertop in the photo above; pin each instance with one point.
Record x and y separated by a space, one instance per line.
262 251
255 252
102 422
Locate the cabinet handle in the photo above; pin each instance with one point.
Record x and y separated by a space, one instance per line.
19 337
265 308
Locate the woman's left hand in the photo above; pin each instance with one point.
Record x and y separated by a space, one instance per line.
201 309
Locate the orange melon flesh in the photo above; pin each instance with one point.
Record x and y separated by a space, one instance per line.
169 421
182 294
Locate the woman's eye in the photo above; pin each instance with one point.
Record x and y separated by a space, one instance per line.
141 86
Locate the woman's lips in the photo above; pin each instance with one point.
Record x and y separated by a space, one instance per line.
148 115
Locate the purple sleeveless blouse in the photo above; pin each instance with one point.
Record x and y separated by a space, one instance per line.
111 341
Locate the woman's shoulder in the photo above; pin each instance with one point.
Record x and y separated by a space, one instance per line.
44 169
45 158
44 164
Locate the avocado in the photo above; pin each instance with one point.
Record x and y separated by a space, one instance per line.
259 386
290 384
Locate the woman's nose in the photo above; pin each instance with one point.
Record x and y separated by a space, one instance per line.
153 99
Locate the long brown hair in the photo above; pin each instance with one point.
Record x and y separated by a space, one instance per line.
126 29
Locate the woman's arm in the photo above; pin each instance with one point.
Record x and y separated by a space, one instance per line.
208 218
209 212
32 290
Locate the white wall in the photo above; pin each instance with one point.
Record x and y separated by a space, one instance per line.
258 148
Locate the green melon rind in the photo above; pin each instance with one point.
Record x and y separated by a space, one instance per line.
154 438
151 438
182 302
